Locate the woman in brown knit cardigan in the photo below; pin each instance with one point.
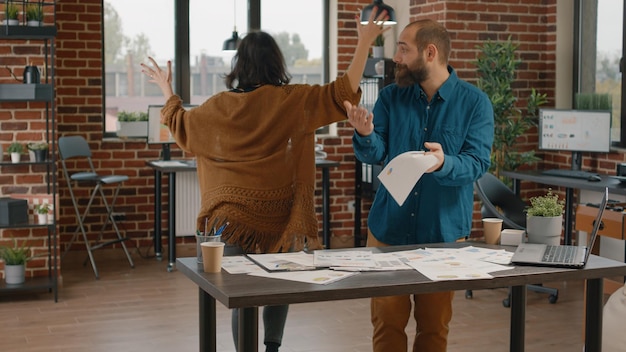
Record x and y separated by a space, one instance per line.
254 147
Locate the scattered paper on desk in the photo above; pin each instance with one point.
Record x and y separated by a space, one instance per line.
450 270
322 277
239 264
361 259
284 261
402 173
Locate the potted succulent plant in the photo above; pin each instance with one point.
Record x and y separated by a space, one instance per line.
38 151
42 210
15 149
132 124
544 219
379 46
15 258
34 15
11 12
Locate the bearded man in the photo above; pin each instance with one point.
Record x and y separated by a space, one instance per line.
428 108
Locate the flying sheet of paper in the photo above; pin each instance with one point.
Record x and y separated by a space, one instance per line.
402 173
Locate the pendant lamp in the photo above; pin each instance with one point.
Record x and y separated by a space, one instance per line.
232 43
391 14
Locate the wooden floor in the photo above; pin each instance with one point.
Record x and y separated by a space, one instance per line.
150 309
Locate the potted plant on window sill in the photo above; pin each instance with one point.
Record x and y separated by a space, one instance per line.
38 151
34 15
132 124
15 149
15 258
42 211
544 219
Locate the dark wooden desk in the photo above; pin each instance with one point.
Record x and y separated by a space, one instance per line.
570 185
250 292
325 165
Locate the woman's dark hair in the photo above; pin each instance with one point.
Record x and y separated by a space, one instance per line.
258 61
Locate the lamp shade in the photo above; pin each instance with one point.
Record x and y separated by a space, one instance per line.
365 14
231 43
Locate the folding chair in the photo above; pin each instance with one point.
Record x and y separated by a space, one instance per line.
77 147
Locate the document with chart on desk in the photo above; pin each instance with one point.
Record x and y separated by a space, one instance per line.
402 173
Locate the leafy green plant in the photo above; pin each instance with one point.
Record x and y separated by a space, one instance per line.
15 255
496 65
547 205
43 208
37 146
34 13
132 116
15 147
379 41
12 11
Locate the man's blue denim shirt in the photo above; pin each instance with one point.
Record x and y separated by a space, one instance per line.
440 206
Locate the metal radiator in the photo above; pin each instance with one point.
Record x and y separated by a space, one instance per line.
187 203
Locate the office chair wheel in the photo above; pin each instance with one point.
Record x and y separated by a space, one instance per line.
468 294
553 298
506 302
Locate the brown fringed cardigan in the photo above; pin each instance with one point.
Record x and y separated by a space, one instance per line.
256 160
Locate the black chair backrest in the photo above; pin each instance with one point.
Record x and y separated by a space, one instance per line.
499 201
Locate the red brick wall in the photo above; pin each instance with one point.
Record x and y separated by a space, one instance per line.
80 105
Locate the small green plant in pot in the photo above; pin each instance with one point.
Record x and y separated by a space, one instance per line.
15 258
42 210
39 150
15 149
34 15
11 12
544 221
132 124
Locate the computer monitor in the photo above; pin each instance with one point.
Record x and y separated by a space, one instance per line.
576 131
158 133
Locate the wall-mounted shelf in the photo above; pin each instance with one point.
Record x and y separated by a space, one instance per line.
26 92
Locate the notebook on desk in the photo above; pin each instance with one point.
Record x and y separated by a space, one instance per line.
564 256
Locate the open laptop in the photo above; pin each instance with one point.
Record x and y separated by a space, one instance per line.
564 256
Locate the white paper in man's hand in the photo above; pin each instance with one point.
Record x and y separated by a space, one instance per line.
402 173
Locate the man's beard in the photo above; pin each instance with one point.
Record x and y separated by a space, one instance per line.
406 77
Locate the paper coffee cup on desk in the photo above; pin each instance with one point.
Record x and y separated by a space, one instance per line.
491 229
212 253
201 238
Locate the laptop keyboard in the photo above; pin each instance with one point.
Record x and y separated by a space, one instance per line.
559 254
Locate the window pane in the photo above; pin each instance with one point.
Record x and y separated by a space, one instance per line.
129 38
208 62
297 26
608 54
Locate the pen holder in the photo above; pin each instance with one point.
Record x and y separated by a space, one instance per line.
200 238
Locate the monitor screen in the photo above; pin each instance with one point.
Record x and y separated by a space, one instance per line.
158 133
575 130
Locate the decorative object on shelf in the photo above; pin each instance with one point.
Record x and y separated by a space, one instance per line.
34 15
31 74
544 219
38 151
132 124
15 149
379 67
496 65
11 12
15 258
42 210
378 50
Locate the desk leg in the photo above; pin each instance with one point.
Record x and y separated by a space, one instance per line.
593 315
171 223
518 318
326 206
157 215
208 322
569 215
248 329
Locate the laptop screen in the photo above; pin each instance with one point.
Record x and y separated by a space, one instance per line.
597 223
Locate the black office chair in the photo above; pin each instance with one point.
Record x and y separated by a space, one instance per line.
499 201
